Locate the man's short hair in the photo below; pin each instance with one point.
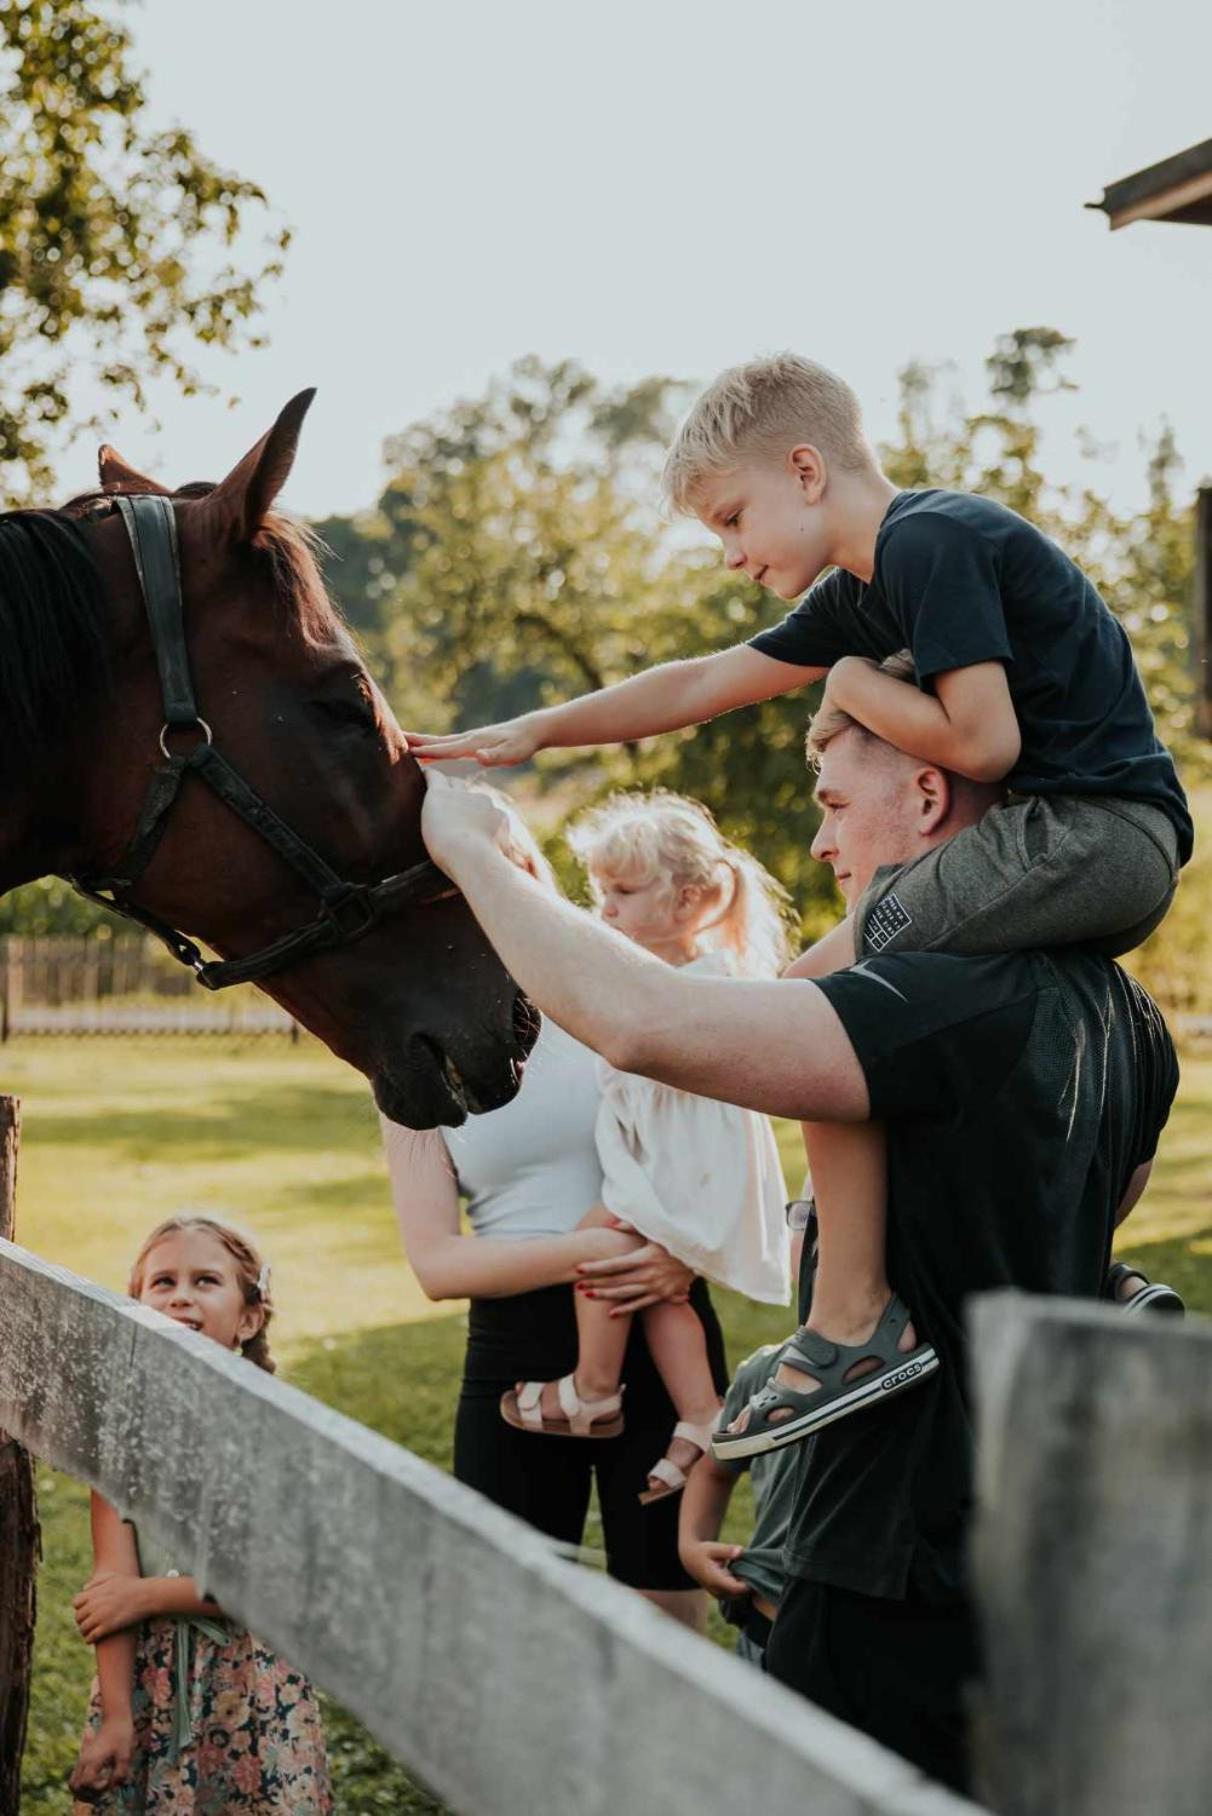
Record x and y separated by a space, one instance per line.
762 410
825 725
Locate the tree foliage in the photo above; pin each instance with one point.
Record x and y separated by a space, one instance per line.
119 250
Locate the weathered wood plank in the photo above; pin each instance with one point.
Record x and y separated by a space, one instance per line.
18 1531
504 1677
1094 1558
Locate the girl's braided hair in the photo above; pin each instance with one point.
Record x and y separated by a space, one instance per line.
251 1271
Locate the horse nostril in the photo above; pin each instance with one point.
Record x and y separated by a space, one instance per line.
526 1023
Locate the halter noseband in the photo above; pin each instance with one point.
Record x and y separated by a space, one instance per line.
347 910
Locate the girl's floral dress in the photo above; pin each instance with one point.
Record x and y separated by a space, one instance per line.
222 1725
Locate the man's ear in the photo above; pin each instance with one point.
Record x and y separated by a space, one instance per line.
933 799
808 465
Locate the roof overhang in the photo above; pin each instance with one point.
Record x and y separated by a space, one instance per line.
1177 189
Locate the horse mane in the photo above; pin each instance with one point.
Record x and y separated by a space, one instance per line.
53 634
54 656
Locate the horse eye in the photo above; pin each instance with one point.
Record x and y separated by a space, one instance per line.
346 711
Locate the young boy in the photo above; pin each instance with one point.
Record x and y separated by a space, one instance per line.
1023 677
748 1580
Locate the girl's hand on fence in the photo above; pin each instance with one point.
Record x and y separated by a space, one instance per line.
644 1276
105 1759
108 1603
706 1560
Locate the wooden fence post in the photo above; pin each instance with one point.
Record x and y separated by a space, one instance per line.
18 1533
1093 1558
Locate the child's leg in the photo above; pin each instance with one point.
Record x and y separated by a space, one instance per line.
677 1343
601 1339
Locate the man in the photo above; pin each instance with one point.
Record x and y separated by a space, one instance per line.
1022 1096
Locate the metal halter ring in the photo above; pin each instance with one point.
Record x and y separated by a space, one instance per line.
166 728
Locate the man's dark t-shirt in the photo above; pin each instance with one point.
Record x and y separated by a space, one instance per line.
1019 1094
960 580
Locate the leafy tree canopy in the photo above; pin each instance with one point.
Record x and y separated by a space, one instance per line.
118 243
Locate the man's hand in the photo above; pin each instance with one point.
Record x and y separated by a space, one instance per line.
109 1603
492 746
706 1560
456 818
105 1759
644 1276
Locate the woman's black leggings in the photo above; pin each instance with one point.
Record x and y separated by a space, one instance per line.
546 1480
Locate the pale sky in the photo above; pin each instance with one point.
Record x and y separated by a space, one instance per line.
673 185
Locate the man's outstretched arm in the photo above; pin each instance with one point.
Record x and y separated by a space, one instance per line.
777 1047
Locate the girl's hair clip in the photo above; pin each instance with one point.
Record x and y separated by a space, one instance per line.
263 1280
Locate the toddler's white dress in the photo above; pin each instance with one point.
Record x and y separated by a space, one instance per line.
702 1178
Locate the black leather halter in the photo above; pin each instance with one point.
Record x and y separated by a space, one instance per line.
347 910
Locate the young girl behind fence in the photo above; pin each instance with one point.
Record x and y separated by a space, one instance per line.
189 1712
699 1177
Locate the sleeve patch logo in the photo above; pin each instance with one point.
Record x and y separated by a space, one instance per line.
887 919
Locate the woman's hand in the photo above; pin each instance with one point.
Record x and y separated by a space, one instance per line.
644 1276
492 746
105 1759
706 1560
108 1603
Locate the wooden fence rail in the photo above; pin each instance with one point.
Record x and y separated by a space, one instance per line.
504 1677
1094 1558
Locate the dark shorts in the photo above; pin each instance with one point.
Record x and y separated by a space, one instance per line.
1037 870
546 1481
896 1670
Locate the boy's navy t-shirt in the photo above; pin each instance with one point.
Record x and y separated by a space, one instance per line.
1019 1093
960 580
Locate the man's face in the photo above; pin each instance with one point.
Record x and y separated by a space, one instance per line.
767 526
870 810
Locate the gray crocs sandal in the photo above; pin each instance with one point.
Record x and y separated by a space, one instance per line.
840 1393
1150 1295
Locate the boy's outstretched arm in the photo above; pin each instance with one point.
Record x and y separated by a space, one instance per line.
968 725
660 699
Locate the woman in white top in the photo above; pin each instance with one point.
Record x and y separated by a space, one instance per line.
698 1176
530 1172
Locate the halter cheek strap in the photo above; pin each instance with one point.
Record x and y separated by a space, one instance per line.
347 910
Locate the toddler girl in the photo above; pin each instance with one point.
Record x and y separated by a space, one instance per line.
189 1713
701 1178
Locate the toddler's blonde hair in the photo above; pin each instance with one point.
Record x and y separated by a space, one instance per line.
251 1270
760 411
639 838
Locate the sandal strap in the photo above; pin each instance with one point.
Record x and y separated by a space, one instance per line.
698 1435
529 1395
669 1473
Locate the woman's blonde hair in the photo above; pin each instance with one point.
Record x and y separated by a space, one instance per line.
251 1271
641 838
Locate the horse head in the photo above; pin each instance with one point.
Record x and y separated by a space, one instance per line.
418 1002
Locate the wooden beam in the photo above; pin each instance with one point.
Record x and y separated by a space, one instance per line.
502 1676
18 1532
1093 1557
1202 645
1179 200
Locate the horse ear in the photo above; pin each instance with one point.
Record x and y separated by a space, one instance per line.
117 476
238 506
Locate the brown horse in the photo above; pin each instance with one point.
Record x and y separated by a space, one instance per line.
419 1003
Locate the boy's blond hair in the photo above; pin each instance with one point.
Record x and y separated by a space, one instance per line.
763 409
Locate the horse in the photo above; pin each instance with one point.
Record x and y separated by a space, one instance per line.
102 767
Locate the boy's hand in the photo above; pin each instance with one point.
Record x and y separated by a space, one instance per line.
108 1603
492 746
105 1759
707 1560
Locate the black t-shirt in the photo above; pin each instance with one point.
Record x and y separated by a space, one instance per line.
960 580
1019 1094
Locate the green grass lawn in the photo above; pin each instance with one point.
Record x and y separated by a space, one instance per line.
120 1133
